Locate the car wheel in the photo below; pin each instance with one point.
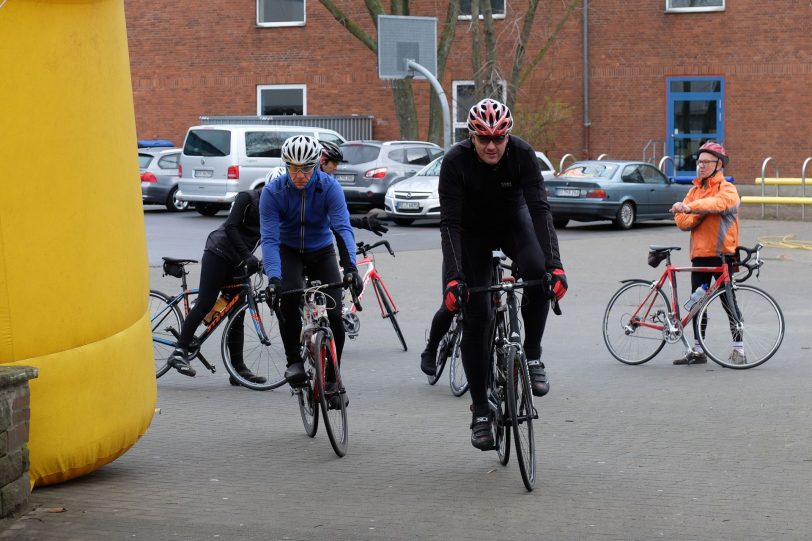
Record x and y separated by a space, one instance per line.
625 216
207 209
403 221
173 204
560 223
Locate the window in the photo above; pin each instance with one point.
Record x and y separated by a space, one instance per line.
695 115
280 12
463 99
281 100
497 8
266 144
170 161
208 143
694 5
652 175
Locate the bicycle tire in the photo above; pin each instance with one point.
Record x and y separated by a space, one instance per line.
640 344
521 413
440 359
307 398
457 379
390 312
335 419
501 426
264 357
163 315
762 327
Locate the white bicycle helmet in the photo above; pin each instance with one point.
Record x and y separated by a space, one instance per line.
301 151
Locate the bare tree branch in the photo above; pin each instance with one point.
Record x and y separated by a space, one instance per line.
524 35
550 40
447 34
351 27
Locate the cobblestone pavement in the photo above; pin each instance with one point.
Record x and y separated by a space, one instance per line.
624 452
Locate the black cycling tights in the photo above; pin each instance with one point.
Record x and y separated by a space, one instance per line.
215 272
699 278
523 248
320 265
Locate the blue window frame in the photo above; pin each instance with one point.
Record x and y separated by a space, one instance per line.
695 115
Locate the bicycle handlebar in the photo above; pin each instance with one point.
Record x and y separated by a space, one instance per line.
316 285
508 285
364 248
745 262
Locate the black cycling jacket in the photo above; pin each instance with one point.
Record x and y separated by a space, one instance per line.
477 198
238 237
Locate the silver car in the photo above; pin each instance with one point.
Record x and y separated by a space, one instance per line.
622 191
158 168
416 197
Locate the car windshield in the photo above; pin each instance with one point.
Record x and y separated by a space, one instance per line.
208 143
432 169
143 160
354 154
591 170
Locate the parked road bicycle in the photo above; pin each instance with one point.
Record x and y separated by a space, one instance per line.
352 323
449 352
263 352
324 387
509 393
641 318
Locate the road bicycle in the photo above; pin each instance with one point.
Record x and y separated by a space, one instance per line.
641 318
324 387
509 392
449 352
352 323
262 348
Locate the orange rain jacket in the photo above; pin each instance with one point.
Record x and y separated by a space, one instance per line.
714 218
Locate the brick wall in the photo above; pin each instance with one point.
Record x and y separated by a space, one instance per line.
14 418
188 61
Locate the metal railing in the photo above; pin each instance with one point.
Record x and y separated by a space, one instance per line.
352 127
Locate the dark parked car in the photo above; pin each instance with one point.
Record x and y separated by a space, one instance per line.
622 191
370 167
159 177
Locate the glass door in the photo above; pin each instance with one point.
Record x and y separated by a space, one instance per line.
695 115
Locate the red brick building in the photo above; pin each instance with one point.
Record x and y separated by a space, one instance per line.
662 76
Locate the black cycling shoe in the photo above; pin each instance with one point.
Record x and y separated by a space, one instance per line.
296 375
692 357
428 363
538 378
247 375
482 432
178 361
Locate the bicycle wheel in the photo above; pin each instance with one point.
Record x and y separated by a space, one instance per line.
628 340
390 312
499 405
521 413
262 351
456 374
307 397
332 394
759 322
164 318
440 359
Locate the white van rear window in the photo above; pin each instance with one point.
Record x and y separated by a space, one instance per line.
208 143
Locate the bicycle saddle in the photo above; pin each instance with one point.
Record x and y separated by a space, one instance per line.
658 248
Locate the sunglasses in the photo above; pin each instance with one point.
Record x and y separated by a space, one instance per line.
294 170
487 139
706 162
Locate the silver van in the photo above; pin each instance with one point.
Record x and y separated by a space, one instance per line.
220 160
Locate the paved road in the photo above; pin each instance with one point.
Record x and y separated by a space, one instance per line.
624 452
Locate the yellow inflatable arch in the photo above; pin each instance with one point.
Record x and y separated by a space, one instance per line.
73 267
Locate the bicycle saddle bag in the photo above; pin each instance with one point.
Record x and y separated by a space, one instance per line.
173 269
656 257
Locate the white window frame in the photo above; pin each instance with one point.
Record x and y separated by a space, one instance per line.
481 16
456 123
260 88
287 23
700 9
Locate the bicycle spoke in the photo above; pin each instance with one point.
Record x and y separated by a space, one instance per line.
261 349
164 318
633 323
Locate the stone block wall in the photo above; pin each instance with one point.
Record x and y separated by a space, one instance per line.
14 419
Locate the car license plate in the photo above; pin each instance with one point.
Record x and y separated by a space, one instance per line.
568 192
203 173
345 178
407 205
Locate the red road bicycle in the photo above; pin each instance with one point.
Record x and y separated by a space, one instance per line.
352 324
641 318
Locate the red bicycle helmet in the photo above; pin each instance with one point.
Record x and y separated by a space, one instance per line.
490 117
712 147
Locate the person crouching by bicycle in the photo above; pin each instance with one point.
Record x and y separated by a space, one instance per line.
300 213
492 196
710 211
229 253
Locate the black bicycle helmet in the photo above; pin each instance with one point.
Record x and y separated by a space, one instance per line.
331 152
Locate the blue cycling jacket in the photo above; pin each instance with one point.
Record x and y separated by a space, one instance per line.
303 219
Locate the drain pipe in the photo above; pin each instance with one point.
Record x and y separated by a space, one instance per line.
587 123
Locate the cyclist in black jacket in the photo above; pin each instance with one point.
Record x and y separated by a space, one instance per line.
492 196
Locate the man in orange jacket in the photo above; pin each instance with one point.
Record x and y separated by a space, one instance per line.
710 211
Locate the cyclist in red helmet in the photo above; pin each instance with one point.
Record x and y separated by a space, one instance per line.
492 196
710 211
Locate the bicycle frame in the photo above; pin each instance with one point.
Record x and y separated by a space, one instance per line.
371 274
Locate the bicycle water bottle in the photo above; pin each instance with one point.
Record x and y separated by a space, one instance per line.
218 305
696 295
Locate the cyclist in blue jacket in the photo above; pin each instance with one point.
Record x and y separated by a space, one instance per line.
300 213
